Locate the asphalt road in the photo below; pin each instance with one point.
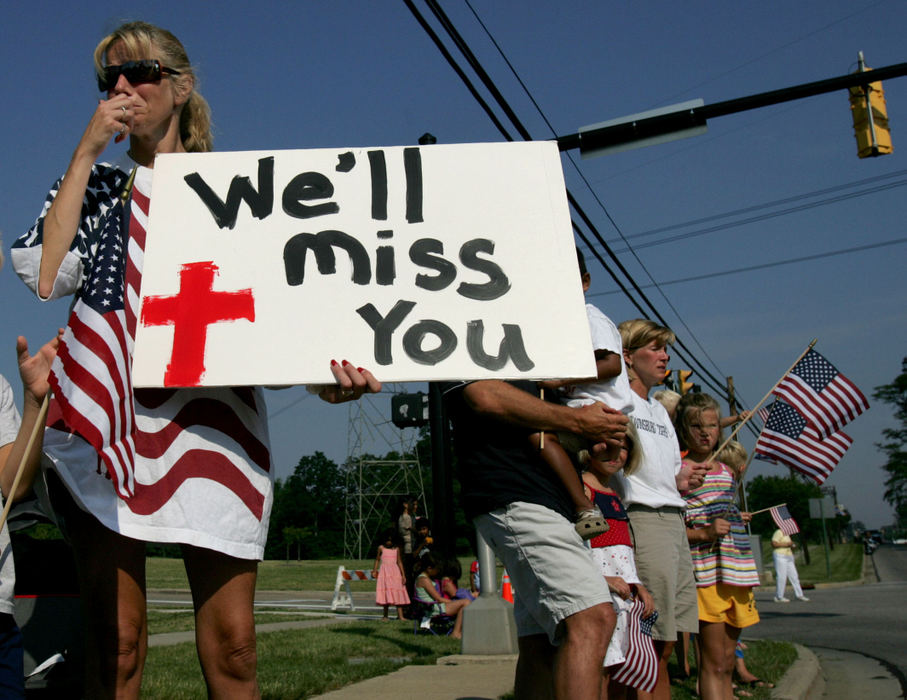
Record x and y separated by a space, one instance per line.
870 619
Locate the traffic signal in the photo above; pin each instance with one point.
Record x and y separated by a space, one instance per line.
870 118
409 410
667 381
683 386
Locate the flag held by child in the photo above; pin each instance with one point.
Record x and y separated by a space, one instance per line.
640 669
784 520
824 396
789 438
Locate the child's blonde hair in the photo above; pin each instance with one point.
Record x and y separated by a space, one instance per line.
634 452
669 399
734 456
690 408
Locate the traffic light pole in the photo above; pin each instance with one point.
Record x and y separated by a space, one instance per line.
636 130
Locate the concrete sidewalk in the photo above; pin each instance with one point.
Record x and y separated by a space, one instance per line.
454 677
828 676
823 674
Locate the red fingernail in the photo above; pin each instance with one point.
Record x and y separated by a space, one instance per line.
360 369
345 363
333 363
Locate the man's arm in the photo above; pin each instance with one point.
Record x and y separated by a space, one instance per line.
506 403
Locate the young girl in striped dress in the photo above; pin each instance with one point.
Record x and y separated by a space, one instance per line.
722 559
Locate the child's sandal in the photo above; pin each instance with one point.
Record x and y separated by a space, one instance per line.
591 523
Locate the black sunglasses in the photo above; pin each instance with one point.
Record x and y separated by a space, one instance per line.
147 71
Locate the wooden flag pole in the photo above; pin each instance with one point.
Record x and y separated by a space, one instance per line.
542 435
765 510
39 423
762 401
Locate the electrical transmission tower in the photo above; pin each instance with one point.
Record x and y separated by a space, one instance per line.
374 485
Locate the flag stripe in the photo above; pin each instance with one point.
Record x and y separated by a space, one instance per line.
209 413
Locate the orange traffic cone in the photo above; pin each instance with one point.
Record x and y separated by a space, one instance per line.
506 589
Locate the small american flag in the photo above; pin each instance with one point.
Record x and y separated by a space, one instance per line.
787 437
824 396
640 669
783 519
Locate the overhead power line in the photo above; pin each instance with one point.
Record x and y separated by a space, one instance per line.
777 263
767 205
502 102
766 216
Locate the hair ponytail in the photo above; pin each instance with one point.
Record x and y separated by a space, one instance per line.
195 124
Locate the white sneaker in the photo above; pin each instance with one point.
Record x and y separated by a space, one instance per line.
781 600
803 599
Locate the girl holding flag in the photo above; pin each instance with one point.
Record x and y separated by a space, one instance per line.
722 559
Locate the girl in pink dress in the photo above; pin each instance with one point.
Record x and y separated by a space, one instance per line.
389 571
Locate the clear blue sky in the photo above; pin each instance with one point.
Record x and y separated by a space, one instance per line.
363 73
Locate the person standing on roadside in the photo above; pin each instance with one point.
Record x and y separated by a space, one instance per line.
785 568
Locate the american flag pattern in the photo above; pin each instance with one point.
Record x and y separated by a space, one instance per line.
183 465
824 396
789 438
784 520
640 670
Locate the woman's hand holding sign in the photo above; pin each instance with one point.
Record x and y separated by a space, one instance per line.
352 382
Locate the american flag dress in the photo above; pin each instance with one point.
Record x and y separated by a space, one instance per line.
188 466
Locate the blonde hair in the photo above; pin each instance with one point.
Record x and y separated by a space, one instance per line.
639 332
734 456
669 399
142 41
690 408
634 452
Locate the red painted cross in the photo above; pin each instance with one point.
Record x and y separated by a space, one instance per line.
190 312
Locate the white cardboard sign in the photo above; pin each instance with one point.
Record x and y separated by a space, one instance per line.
420 263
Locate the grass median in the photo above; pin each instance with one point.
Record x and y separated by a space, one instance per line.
845 563
302 663
310 575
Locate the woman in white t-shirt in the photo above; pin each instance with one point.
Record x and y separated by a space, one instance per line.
652 495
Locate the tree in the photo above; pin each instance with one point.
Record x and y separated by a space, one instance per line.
894 444
766 491
311 499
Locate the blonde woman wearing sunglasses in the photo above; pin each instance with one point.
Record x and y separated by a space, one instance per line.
200 473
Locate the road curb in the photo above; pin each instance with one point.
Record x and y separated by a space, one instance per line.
803 680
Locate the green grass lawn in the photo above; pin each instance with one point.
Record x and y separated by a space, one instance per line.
767 660
161 620
309 575
846 562
312 575
301 663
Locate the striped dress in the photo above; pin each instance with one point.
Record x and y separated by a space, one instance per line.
730 560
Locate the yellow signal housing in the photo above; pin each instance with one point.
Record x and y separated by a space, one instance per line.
870 119
683 385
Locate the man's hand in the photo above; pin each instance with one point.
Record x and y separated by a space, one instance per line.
646 598
691 476
605 427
